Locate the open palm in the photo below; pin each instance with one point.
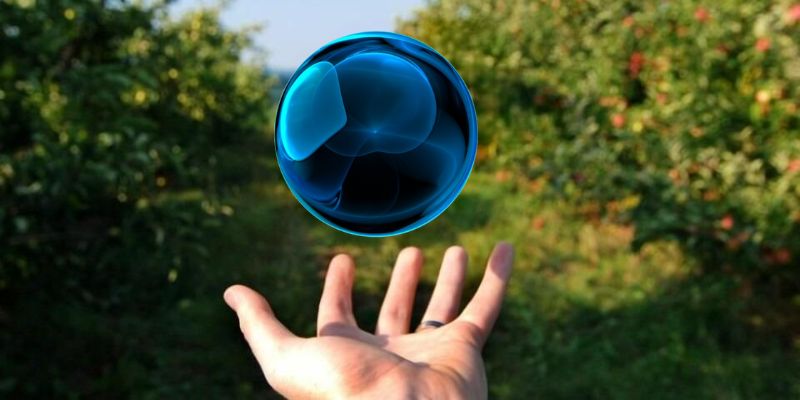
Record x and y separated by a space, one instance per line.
344 361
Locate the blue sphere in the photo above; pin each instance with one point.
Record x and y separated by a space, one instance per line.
376 134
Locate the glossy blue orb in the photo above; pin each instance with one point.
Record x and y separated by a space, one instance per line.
376 134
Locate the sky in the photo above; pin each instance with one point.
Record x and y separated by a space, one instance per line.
293 29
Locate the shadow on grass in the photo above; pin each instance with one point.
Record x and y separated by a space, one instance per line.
686 340
689 341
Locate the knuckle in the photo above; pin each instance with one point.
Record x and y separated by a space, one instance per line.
471 333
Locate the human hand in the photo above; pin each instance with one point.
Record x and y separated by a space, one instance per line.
344 361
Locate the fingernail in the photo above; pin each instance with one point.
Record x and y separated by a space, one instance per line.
505 253
230 298
505 258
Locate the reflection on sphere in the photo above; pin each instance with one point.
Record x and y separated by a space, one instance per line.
376 134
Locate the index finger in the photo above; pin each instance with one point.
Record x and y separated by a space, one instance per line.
484 307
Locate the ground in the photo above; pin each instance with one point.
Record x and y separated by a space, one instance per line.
586 317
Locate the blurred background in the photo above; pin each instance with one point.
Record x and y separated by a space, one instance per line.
644 157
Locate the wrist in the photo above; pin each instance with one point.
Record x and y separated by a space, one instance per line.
411 383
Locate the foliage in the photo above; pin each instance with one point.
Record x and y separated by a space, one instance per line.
679 117
108 110
128 139
120 129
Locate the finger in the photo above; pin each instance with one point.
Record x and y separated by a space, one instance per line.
395 312
336 305
266 336
446 295
484 307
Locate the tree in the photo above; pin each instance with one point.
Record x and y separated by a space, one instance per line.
114 118
674 116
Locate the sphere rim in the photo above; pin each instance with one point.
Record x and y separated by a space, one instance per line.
456 189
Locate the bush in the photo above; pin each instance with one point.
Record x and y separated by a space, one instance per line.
678 117
113 117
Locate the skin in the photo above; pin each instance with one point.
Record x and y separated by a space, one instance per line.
346 362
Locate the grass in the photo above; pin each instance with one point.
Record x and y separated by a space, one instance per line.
585 316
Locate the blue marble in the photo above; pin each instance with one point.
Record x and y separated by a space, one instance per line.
376 134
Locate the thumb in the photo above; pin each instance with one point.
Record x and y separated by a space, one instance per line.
267 337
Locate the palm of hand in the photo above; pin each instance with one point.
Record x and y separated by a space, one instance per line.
344 361
439 360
